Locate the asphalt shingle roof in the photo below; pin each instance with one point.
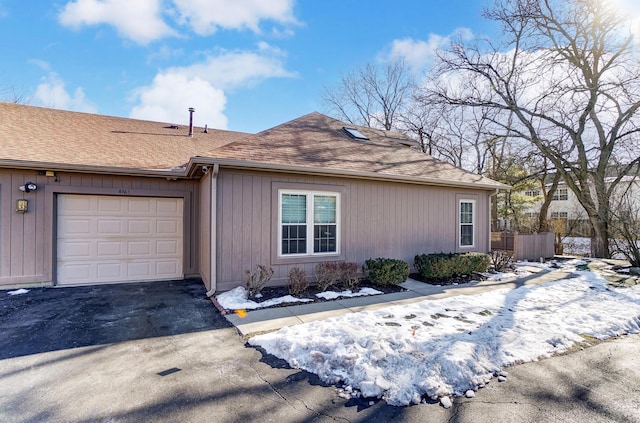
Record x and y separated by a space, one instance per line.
313 141
318 141
57 136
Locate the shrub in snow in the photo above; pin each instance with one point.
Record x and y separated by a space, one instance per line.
500 259
443 265
298 282
255 281
386 271
350 275
327 274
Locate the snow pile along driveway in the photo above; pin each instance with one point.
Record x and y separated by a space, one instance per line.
446 347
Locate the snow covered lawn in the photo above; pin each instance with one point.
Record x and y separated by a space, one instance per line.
456 345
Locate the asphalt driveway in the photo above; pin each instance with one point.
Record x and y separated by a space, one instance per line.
51 319
161 352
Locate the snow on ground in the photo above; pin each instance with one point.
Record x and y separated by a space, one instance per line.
439 348
236 299
18 291
332 295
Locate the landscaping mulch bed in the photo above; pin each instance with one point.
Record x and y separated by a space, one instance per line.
457 280
281 291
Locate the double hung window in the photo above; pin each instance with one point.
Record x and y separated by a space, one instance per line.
308 223
467 223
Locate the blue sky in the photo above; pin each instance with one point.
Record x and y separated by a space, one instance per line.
244 65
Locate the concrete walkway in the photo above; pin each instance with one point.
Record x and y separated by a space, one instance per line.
270 319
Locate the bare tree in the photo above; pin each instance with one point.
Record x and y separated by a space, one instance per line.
373 95
570 77
626 228
10 94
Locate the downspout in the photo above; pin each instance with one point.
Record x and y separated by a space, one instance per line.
491 194
213 236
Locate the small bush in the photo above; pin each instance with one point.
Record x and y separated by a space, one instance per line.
255 281
297 281
443 265
500 259
384 271
349 275
327 274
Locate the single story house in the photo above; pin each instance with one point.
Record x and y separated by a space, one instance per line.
90 199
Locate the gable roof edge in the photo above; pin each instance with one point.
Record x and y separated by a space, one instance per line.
268 167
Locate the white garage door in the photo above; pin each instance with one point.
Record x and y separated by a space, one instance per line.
118 239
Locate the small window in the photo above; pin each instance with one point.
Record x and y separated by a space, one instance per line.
532 193
560 194
559 215
467 223
308 223
354 133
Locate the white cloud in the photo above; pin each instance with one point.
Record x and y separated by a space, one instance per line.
206 16
203 85
143 21
140 20
170 96
419 53
52 93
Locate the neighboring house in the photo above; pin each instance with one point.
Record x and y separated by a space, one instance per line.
566 208
118 200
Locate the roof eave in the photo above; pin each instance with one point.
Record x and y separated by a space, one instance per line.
179 173
315 171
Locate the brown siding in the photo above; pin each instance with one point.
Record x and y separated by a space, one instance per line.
27 240
379 219
204 230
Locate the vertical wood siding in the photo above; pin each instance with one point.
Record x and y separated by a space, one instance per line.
380 219
27 240
204 230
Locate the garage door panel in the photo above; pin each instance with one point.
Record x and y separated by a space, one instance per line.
74 226
166 267
140 227
109 271
139 248
171 227
109 227
141 205
166 247
109 248
138 268
109 205
75 249
74 273
166 206
118 239
78 204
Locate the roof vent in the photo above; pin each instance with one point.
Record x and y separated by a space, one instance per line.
191 110
355 134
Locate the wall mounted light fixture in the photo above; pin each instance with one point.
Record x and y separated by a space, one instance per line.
22 206
28 187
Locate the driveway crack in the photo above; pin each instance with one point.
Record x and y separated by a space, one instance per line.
277 392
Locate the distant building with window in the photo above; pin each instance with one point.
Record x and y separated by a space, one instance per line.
567 210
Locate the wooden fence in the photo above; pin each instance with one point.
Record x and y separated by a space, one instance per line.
524 246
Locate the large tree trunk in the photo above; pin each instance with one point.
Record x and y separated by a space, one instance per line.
599 238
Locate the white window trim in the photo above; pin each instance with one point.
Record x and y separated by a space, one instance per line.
310 223
473 223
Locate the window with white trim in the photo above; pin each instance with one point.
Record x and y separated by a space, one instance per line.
308 223
467 222
560 194
559 215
